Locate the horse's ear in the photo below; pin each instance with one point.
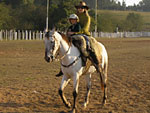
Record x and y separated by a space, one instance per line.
54 29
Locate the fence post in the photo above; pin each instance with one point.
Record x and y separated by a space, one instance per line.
40 35
33 33
19 35
43 35
30 35
10 35
37 35
23 35
1 38
15 35
6 35
26 34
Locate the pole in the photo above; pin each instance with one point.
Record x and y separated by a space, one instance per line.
47 15
96 18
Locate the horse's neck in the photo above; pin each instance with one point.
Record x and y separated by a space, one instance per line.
64 47
68 50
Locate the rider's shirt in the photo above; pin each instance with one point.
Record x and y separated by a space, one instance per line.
84 20
74 28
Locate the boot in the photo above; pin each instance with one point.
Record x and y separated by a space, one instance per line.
84 59
84 55
59 74
92 57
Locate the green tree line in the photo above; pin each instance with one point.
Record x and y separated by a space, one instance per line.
143 5
31 14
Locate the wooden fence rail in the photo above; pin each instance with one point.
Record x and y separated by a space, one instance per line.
39 35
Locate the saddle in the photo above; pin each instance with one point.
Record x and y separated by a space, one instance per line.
75 42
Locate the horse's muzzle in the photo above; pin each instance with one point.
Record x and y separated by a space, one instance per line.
47 58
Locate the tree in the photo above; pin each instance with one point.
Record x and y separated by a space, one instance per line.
59 13
5 18
17 3
145 5
133 22
105 23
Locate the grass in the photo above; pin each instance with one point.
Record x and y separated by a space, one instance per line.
121 15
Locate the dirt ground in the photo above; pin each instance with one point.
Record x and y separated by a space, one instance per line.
28 83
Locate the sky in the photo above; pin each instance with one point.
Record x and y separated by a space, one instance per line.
131 2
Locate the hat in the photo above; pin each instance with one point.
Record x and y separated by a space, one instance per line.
82 5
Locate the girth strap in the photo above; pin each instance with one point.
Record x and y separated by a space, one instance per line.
67 66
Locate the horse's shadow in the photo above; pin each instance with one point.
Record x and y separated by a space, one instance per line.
62 112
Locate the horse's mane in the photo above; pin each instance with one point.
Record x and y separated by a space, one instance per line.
66 38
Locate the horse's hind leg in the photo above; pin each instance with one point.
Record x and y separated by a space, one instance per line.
64 83
104 85
103 77
105 91
88 80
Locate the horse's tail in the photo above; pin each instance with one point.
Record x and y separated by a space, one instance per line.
104 66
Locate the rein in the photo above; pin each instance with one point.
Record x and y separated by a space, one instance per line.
65 53
67 66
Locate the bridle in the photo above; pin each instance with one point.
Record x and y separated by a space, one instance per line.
65 53
62 57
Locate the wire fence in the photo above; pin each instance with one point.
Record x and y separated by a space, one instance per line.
39 35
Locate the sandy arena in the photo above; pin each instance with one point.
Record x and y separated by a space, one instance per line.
28 82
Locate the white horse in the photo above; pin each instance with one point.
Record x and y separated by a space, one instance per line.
71 65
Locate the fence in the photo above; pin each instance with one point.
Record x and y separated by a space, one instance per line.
21 35
122 34
39 35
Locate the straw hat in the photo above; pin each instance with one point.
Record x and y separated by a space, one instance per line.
82 5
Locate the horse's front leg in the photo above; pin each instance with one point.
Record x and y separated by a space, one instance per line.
75 91
64 83
88 80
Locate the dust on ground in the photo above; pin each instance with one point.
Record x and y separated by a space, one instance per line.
28 83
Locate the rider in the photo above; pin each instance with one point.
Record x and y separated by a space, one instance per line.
75 26
85 19
87 50
82 40
72 30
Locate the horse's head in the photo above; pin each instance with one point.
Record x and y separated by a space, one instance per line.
51 45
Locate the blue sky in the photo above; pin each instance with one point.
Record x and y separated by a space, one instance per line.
130 2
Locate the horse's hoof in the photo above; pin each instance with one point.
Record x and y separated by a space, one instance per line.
104 102
85 104
73 111
68 105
